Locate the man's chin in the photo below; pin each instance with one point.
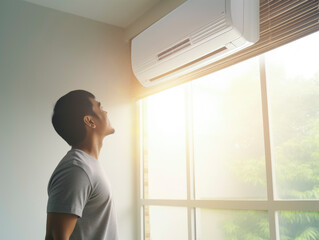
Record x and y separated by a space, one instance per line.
110 131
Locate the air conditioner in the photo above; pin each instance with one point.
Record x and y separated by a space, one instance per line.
195 34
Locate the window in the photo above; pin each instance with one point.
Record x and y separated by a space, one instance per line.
235 154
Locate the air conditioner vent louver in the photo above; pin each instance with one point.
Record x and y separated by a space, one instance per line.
177 47
211 30
217 51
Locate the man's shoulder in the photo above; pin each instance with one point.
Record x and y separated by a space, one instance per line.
77 158
73 161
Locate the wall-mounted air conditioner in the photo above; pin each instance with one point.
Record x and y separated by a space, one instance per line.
193 35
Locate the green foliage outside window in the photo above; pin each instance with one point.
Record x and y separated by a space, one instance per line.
294 128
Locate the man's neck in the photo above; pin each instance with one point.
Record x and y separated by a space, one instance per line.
92 148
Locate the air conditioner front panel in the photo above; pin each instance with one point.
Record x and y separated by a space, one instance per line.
188 55
198 32
174 27
212 30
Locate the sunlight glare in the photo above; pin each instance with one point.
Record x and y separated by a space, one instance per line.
298 62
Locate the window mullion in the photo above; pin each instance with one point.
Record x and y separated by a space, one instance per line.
272 215
144 169
140 207
189 161
250 205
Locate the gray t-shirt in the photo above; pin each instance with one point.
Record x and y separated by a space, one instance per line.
79 186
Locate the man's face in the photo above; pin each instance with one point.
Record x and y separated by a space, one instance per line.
102 122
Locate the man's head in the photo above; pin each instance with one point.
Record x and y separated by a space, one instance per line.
78 114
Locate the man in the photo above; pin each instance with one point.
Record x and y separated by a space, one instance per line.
80 204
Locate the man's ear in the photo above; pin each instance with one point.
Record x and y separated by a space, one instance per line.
88 121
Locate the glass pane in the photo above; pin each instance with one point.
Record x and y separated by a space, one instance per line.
165 151
293 96
298 225
169 223
228 134
229 225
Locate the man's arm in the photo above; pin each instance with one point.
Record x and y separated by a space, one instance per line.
60 226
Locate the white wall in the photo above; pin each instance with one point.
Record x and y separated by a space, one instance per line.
159 10
43 55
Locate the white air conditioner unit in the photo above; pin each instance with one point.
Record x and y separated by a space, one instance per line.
195 34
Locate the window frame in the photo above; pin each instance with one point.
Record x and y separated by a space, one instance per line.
272 205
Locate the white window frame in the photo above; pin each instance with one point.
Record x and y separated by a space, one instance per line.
271 205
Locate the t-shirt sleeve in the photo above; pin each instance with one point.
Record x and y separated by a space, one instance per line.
69 191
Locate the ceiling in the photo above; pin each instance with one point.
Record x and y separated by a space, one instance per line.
121 13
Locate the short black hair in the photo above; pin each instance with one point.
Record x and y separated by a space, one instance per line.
68 113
